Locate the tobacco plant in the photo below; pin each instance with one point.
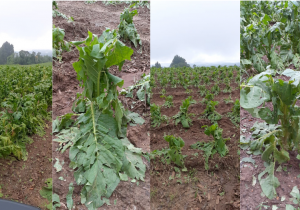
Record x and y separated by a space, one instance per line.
58 43
24 101
101 155
228 100
127 28
215 89
282 96
173 153
207 98
156 117
142 88
210 112
169 101
202 90
210 148
183 116
234 116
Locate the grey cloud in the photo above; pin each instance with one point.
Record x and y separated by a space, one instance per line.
190 29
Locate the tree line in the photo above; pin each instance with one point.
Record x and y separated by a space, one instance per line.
176 62
9 56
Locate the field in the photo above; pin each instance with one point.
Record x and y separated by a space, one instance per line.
25 132
270 134
96 17
196 184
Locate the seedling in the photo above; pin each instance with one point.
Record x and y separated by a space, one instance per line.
210 148
183 116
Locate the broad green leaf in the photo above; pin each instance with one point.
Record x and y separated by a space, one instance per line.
69 196
270 183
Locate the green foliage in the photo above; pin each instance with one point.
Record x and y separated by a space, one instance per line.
25 94
58 43
283 95
101 153
169 101
270 29
228 100
210 148
136 3
235 114
156 117
183 116
64 123
46 192
207 98
69 196
127 28
210 112
56 13
202 90
173 153
296 195
55 201
142 88
227 88
215 89
175 145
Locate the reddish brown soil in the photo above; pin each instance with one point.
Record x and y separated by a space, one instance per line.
21 181
95 18
202 190
251 195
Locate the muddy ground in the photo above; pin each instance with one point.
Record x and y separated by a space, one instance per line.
217 188
251 194
96 18
21 181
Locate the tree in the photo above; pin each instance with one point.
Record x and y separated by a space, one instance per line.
179 62
6 50
157 65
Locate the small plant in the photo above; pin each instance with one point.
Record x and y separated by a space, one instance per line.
215 89
56 13
228 100
127 28
210 112
202 90
58 42
175 146
169 101
183 116
163 91
173 153
188 91
227 88
156 117
235 114
210 148
208 97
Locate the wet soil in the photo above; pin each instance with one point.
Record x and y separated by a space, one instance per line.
21 181
217 188
95 18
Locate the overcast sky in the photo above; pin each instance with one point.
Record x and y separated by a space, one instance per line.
26 24
199 31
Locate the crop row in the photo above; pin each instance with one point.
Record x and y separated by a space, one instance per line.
25 94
